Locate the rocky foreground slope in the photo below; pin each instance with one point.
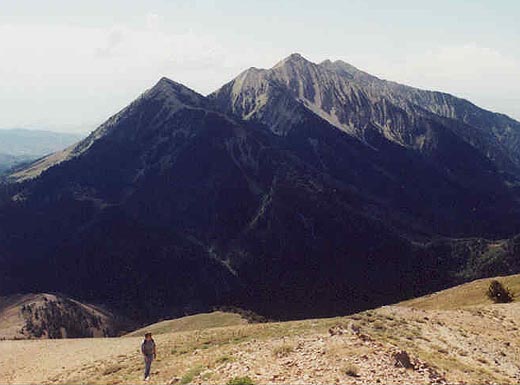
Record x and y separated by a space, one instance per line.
455 336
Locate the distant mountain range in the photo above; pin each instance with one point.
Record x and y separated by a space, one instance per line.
22 145
297 191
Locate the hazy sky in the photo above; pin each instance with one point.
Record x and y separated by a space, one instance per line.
68 65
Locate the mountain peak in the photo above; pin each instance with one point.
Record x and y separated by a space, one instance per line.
170 86
175 93
293 58
347 70
340 66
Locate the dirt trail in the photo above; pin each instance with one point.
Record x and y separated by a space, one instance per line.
33 361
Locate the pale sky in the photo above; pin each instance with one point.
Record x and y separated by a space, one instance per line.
68 65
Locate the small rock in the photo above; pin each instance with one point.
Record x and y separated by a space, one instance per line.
336 330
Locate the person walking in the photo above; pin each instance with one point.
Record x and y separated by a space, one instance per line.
149 353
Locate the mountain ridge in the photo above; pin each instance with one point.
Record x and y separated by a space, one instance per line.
292 192
358 77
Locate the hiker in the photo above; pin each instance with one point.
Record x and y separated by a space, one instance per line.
148 350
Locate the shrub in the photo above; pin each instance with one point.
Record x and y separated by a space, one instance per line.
283 350
498 293
240 381
224 359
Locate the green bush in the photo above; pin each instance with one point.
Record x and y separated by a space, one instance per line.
498 293
240 381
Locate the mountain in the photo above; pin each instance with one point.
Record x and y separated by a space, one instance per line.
33 316
297 191
442 170
172 206
21 145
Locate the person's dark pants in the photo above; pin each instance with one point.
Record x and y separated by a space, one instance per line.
148 358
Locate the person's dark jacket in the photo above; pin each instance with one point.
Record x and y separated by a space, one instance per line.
148 347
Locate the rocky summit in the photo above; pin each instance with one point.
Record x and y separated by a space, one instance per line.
297 191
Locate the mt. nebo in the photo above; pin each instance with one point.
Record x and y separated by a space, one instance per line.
297 191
